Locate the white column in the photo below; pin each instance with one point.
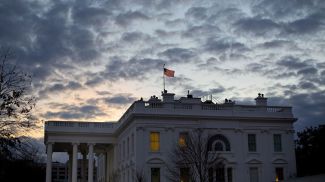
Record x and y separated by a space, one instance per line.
49 162
90 162
75 162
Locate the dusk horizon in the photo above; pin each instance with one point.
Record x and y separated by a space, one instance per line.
89 60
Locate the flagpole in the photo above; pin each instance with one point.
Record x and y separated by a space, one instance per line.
164 77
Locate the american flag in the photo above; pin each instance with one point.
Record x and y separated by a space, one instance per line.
169 73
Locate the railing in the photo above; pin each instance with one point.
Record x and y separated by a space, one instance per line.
73 124
216 107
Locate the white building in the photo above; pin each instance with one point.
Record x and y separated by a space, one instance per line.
256 141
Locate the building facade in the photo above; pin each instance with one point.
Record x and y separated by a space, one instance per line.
256 142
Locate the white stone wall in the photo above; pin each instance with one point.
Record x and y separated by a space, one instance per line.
236 131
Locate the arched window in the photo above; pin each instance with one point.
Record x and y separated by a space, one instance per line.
218 142
218 146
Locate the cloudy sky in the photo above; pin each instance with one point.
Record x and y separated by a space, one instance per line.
90 59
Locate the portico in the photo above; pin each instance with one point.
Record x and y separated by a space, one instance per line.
79 138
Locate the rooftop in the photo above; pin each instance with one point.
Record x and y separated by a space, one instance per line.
184 107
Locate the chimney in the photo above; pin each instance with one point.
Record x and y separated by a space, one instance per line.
167 97
261 100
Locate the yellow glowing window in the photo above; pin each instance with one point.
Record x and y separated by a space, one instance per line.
154 141
182 139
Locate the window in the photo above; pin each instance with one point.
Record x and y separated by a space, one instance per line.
220 174
253 174
277 143
154 141
183 136
218 146
279 174
218 143
251 142
229 174
155 174
184 175
210 174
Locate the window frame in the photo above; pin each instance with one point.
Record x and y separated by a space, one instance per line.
152 142
186 136
251 143
277 143
151 174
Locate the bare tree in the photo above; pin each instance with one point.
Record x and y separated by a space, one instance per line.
115 176
15 103
139 176
192 160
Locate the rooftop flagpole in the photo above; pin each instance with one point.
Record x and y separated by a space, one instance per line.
164 77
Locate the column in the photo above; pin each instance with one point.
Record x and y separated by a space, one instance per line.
90 162
75 162
49 162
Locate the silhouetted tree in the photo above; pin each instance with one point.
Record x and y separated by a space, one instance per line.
139 176
15 104
310 150
192 159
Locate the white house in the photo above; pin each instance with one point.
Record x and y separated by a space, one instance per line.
256 141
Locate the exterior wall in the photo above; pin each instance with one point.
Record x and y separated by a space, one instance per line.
239 158
123 148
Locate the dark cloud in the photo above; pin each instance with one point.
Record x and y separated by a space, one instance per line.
196 32
90 15
133 37
120 99
132 69
72 112
292 63
125 19
46 37
224 45
277 44
307 85
256 25
59 87
179 55
201 93
307 71
309 108
310 24
197 13
103 92
94 79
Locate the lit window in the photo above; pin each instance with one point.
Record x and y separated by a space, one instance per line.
251 142
154 141
277 143
279 174
182 139
155 174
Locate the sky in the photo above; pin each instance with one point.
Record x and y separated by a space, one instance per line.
90 59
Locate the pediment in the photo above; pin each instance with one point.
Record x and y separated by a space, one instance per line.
254 161
155 160
279 161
